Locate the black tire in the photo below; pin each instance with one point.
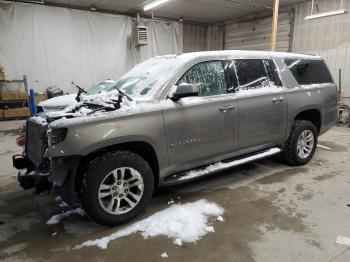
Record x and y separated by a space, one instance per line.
98 169
289 154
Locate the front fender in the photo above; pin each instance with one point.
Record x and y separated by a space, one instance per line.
85 138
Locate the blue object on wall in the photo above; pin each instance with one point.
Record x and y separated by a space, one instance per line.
32 102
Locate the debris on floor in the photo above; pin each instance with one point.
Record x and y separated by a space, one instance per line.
345 241
325 147
183 223
57 218
343 113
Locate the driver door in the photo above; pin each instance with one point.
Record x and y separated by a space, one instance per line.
202 130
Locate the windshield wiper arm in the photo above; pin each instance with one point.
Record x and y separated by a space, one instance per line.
123 94
81 90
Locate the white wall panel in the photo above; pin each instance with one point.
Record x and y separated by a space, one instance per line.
63 47
199 37
256 34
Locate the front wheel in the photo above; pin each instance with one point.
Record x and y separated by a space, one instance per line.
117 187
301 144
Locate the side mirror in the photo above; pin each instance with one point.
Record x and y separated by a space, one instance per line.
185 90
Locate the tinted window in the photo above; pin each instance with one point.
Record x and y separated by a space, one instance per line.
272 73
308 72
210 75
251 73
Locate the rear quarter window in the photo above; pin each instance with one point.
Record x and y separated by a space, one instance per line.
308 72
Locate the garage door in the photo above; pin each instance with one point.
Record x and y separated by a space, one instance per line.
256 34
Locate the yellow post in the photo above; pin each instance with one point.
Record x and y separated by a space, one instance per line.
274 24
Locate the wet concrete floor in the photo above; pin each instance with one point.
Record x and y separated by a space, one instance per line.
273 212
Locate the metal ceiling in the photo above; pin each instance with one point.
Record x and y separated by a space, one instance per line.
202 11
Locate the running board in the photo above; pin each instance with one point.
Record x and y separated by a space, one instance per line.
218 166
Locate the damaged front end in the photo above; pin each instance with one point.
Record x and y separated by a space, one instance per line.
44 171
32 159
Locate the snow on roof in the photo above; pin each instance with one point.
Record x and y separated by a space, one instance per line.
246 53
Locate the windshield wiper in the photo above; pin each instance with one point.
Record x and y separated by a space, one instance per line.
123 94
81 90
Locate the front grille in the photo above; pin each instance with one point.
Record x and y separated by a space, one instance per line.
36 142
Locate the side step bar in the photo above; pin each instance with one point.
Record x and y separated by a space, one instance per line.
196 173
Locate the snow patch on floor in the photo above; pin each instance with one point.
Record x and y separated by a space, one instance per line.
182 223
220 165
220 218
57 218
61 202
164 255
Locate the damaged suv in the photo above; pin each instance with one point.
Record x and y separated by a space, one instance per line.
175 118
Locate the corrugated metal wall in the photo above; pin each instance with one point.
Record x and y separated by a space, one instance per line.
256 34
328 37
198 37
195 37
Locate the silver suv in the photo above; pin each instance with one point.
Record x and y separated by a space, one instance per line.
175 118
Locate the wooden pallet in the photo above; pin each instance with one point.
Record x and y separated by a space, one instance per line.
14 113
13 96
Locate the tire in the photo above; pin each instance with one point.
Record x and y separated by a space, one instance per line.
290 151
103 186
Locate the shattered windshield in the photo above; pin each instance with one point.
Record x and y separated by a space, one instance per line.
146 78
105 85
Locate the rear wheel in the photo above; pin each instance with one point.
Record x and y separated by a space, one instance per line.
301 144
117 187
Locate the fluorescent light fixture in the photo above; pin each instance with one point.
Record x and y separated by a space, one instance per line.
331 13
154 4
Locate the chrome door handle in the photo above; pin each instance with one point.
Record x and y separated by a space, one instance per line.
277 99
226 108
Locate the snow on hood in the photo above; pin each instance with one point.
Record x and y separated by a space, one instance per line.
59 101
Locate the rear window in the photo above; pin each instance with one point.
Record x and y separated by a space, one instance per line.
308 72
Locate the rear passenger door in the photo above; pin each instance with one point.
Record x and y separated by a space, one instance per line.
262 104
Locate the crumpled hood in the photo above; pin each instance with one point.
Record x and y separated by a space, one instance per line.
90 106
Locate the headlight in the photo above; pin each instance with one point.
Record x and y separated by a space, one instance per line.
57 135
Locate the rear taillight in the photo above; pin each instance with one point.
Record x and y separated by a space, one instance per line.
21 141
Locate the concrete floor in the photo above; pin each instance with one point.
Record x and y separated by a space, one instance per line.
272 213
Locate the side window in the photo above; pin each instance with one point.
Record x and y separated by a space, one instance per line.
251 73
308 72
272 73
211 76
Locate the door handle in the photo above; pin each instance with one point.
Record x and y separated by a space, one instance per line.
226 108
277 99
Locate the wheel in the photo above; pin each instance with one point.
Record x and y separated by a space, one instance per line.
301 144
116 187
